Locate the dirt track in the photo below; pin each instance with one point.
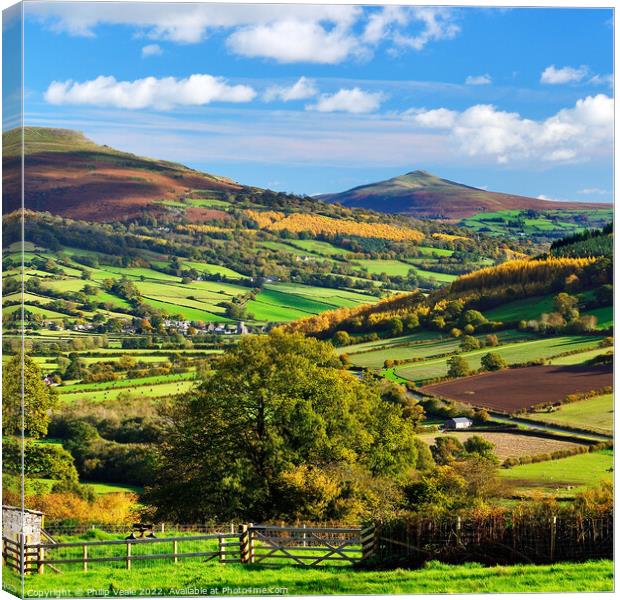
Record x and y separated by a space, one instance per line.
512 389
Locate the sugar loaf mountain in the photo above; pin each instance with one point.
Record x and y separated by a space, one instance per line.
423 195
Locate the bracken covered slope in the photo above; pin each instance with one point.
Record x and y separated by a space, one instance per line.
69 175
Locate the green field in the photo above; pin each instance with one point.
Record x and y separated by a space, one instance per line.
594 413
319 247
218 579
562 477
397 267
579 358
389 267
124 383
430 251
335 297
526 309
604 316
207 202
513 354
419 349
420 336
45 313
202 267
142 391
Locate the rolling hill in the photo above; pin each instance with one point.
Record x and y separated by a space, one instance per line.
423 195
69 175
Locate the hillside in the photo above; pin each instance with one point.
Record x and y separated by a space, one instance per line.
423 195
69 175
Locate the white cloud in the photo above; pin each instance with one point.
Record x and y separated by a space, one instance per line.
325 34
294 41
478 79
380 24
178 22
151 50
602 80
354 101
553 76
437 24
592 191
302 89
150 92
438 118
576 133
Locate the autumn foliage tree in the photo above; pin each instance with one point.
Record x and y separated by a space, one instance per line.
274 411
24 391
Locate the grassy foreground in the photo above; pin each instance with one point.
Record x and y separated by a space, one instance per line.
215 579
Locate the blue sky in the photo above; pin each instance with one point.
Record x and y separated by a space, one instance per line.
316 99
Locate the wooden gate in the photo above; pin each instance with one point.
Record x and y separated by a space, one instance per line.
19 556
305 546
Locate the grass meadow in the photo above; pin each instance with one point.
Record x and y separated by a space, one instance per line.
229 579
563 477
594 413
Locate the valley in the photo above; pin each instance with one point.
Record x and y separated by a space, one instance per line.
501 308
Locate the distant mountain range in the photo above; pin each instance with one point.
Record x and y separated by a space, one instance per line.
70 175
423 195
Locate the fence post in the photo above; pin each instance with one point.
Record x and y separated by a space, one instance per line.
251 542
304 544
85 558
368 540
128 556
222 549
244 545
552 541
23 560
40 559
175 551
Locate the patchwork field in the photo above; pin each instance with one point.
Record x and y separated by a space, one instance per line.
419 348
543 224
514 389
513 353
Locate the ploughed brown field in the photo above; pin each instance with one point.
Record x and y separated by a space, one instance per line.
513 389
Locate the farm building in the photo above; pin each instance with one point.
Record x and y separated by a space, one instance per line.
458 423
